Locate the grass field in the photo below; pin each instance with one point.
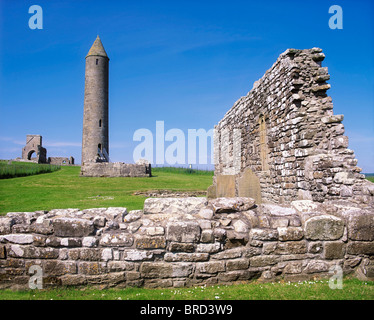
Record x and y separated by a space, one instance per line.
66 189
21 169
353 289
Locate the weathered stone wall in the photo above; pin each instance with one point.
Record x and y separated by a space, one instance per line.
61 161
115 169
176 242
282 142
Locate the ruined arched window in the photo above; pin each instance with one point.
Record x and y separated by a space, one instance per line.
99 147
264 150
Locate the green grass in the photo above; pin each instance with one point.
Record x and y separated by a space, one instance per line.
66 189
182 171
21 169
353 289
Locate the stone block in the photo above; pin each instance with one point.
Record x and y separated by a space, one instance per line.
183 231
186 257
207 236
31 252
155 231
133 215
292 247
91 268
237 264
315 266
210 267
165 270
208 247
116 240
6 225
137 255
324 227
264 234
178 206
293 267
57 268
334 250
361 247
211 192
234 204
361 227
73 227
228 254
2 252
290 233
19 238
263 261
181 247
89 242
225 186
206 213
107 254
240 226
238 275
304 205
71 242
145 242
86 254
249 186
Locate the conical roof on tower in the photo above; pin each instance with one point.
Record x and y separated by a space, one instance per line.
97 49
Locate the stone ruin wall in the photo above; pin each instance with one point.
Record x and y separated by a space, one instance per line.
177 242
115 169
292 145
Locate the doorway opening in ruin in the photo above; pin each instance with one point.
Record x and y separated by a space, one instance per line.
31 155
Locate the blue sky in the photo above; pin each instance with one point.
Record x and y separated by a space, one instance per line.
181 62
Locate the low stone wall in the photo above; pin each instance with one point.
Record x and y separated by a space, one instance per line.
115 169
176 242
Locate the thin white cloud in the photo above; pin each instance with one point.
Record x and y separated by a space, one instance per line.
62 144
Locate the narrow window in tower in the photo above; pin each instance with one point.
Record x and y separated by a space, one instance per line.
97 61
99 147
100 123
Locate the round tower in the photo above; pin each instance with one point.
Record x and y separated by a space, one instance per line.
95 140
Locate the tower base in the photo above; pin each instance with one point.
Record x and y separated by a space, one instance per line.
115 169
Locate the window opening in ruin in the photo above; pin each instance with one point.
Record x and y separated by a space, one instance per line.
97 61
99 147
100 123
264 150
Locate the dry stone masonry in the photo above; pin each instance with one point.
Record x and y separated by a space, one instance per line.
288 202
177 242
282 142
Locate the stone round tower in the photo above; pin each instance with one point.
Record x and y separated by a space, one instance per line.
95 140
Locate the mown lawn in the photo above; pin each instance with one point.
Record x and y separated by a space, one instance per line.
66 189
353 289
